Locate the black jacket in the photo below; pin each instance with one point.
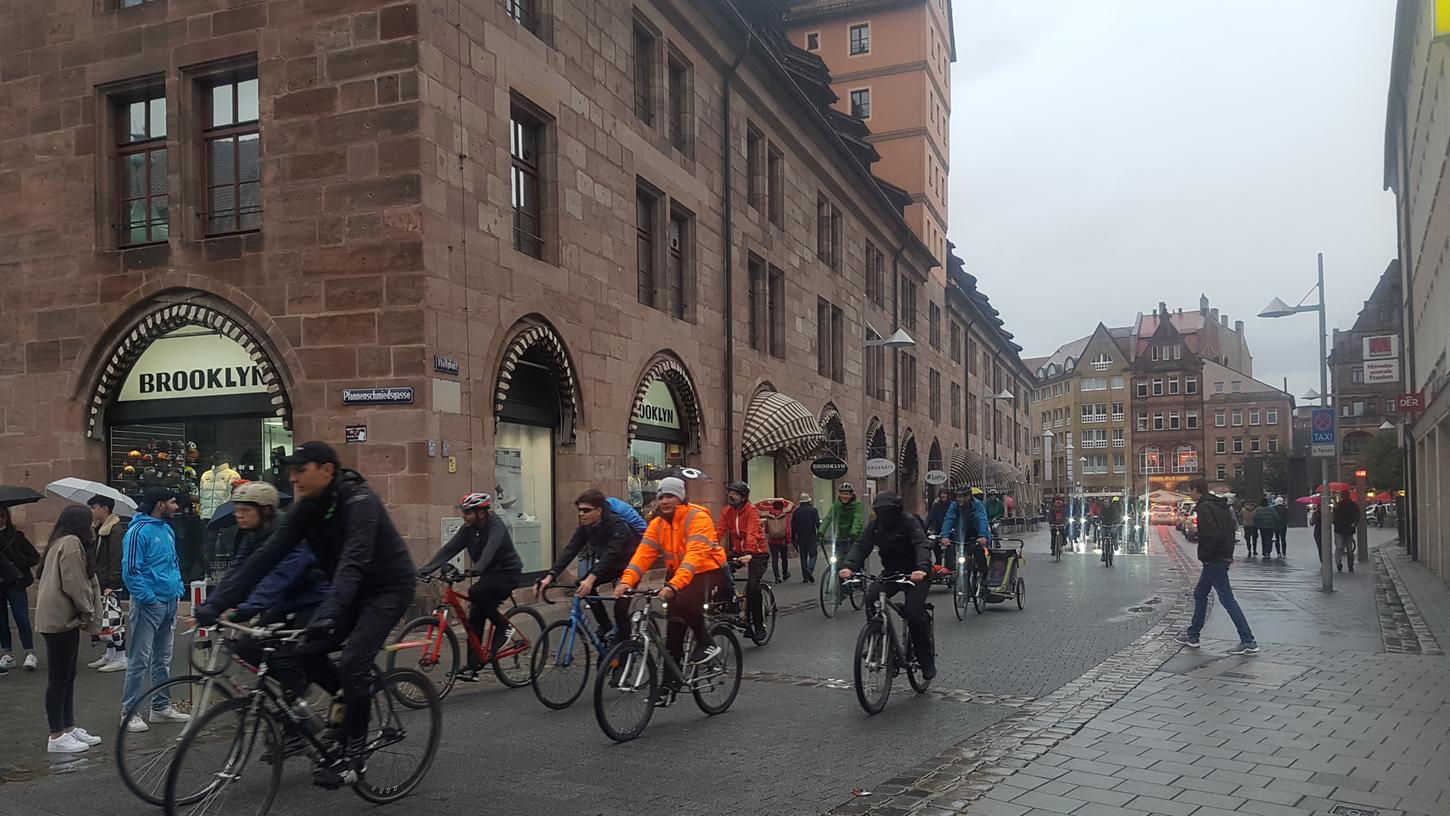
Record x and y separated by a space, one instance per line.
1111 514
936 514
109 551
902 545
354 541
17 558
1346 517
804 521
490 548
610 543
1216 529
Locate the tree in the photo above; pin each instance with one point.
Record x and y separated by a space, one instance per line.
1276 476
1385 462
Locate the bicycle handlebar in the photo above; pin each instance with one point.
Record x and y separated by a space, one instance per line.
448 575
895 578
264 632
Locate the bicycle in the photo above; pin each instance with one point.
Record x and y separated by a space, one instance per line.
564 652
210 773
1110 543
731 612
881 653
631 673
437 644
831 591
1059 532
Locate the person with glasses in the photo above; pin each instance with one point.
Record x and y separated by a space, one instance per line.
606 540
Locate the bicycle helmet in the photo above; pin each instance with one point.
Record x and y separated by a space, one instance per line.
738 487
258 493
475 501
845 487
977 491
961 490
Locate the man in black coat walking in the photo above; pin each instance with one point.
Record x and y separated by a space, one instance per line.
804 520
1216 533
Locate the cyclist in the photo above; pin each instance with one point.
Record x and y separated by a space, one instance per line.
684 535
845 520
607 540
1058 518
499 568
995 510
966 522
740 533
899 538
348 530
1108 518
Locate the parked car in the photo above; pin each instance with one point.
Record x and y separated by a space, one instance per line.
1162 514
1185 508
1190 527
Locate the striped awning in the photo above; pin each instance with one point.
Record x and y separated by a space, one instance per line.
1000 474
908 457
960 467
976 466
778 425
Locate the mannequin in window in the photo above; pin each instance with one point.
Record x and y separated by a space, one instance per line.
216 484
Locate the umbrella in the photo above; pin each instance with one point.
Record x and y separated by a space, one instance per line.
1308 499
1383 497
80 491
11 495
1335 487
226 514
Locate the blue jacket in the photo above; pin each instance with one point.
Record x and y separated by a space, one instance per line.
296 583
979 515
150 570
631 516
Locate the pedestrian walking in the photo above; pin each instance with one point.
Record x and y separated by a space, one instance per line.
1318 531
1267 523
67 601
110 531
17 558
1216 552
1281 528
1251 533
775 520
152 574
803 524
1346 525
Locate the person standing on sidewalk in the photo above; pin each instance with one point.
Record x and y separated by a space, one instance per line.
1281 528
1346 525
1251 533
1267 523
17 557
67 601
1216 551
803 524
152 574
110 531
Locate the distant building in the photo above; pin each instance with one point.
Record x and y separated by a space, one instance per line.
1366 372
1083 434
1246 418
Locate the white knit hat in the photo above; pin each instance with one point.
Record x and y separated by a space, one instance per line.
671 486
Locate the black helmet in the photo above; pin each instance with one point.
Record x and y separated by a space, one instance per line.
738 487
887 501
961 490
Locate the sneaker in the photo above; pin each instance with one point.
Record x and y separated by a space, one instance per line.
1338 566
1188 640
1351 569
31 662
65 744
136 725
1249 647
7 662
169 714
98 662
119 663
333 775
665 696
84 736
469 675
928 673
706 655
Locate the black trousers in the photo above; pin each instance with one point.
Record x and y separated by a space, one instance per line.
687 611
918 620
287 670
779 559
754 573
484 597
61 655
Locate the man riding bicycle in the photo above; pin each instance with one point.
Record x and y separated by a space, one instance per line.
684 535
607 540
966 522
491 549
740 533
345 525
1108 518
901 541
1057 519
845 520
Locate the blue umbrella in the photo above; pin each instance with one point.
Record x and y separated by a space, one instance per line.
226 514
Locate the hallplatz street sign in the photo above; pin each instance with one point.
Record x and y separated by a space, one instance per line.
1321 429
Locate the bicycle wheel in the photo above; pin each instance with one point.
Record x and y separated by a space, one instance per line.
716 683
874 667
1021 592
413 647
919 683
404 727
830 592
1109 553
624 691
229 761
144 757
767 615
513 661
959 594
560 664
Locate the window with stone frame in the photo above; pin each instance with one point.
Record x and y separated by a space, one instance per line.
956 342
644 42
824 240
956 405
933 324
907 307
933 394
525 13
861 103
646 213
1220 445
775 185
830 340
755 307
678 106
681 257
776 306
754 164
1191 420
860 39
232 152
875 275
142 181
526 178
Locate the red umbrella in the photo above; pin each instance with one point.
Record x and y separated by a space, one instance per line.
1384 497
1335 487
1308 500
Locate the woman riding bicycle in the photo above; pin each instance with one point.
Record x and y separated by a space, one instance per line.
899 538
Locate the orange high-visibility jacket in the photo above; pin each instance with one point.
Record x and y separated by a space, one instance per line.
687 542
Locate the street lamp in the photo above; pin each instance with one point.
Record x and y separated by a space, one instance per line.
899 340
1278 308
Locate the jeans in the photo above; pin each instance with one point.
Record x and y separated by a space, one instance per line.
1344 548
13 600
1215 577
780 560
808 557
149 653
61 652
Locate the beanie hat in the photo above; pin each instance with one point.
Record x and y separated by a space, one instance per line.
671 486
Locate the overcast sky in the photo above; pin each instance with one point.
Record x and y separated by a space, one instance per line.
1109 154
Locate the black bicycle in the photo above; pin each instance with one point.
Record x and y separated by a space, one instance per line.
732 611
882 649
230 759
1109 543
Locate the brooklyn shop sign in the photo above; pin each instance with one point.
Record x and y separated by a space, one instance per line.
191 362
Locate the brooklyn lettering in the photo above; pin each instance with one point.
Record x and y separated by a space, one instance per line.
201 379
656 414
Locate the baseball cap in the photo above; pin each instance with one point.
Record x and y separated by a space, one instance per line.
671 486
154 496
318 452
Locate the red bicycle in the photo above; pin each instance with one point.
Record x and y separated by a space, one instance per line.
433 639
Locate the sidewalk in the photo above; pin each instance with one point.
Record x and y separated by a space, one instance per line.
1346 711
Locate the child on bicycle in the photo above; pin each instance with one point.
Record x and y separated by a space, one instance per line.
497 563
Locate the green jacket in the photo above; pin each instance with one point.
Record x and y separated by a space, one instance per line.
994 509
848 520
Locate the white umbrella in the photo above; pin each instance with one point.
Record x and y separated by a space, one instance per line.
80 491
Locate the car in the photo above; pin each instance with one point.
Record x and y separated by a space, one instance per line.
1184 509
1190 527
1162 514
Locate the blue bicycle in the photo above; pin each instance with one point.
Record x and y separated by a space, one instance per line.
563 654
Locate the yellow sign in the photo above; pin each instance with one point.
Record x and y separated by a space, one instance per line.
1442 18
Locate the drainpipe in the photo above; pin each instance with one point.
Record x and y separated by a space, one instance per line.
1407 322
896 363
726 206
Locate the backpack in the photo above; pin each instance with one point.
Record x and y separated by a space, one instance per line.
777 527
631 516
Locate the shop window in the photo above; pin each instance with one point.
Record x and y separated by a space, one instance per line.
142 183
232 150
659 445
526 141
524 473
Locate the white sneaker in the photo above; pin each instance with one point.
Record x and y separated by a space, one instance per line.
137 724
7 662
65 744
85 736
31 662
118 664
98 662
169 714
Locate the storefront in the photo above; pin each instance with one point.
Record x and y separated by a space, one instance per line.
908 468
779 432
664 428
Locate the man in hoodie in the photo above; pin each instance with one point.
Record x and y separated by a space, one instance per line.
899 539
110 532
355 542
152 574
803 524
739 531
604 541
1216 551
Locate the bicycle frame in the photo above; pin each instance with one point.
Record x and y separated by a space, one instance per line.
453 605
645 630
888 611
578 620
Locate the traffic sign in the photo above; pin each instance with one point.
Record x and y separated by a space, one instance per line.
1321 429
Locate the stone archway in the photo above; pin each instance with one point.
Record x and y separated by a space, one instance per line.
534 341
667 368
